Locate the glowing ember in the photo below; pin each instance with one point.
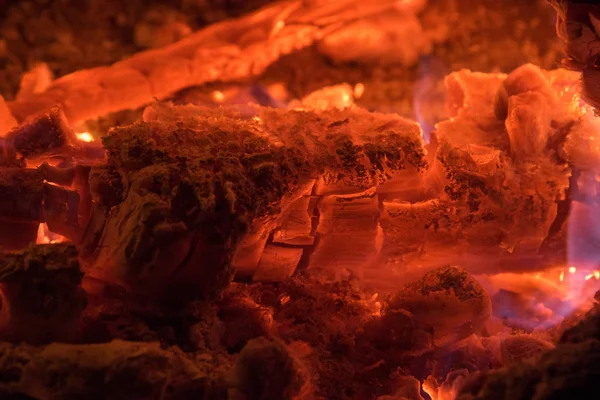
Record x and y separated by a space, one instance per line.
218 96
85 137
359 90
44 236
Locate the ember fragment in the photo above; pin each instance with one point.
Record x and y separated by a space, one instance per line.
266 369
42 299
47 133
447 299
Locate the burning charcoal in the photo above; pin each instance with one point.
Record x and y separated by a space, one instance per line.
266 370
528 78
42 298
186 213
527 123
46 134
447 299
232 50
379 39
115 370
250 250
449 388
59 176
295 228
510 349
409 227
277 263
409 389
243 320
350 236
397 333
338 96
472 93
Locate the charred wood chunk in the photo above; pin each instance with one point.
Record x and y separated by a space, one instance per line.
115 370
447 299
41 294
46 134
396 334
243 320
194 188
575 360
350 237
277 263
58 175
21 194
267 369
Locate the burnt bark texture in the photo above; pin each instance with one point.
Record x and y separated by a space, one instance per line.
194 180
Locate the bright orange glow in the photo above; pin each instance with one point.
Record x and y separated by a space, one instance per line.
359 90
44 236
85 137
218 96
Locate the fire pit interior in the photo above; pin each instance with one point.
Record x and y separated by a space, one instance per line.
299 199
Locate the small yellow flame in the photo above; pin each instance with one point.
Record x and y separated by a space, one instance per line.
562 276
572 270
85 137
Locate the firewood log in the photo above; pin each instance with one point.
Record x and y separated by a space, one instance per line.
231 50
196 181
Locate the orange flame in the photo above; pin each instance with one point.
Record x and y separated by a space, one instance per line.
85 137
44 236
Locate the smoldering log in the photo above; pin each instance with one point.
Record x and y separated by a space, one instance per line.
184 211
230 50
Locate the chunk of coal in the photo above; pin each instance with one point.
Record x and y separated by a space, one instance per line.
447 299
48 133
195 179
42 298
267 370
398 333
243 321
115 370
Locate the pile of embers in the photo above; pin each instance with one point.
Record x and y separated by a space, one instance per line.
139 301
